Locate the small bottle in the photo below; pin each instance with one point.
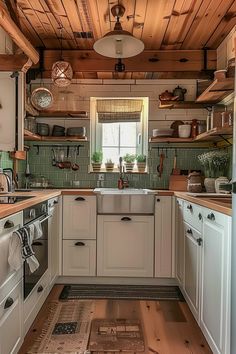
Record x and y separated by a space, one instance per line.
194 128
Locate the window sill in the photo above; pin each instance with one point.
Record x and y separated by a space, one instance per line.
103 170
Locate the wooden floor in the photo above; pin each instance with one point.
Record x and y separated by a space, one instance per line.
168 326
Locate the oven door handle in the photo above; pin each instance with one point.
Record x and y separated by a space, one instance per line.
46 218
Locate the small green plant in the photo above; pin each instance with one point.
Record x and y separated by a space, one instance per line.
109 161
141 158
129 158
97 157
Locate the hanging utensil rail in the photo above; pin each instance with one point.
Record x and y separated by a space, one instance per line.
38 146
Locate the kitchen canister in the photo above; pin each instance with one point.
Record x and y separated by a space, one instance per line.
209 184
219 181
194 182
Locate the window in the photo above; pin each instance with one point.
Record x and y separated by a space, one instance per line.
118 133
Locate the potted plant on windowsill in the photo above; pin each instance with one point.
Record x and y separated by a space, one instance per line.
141 162
129 162
97 161
109 165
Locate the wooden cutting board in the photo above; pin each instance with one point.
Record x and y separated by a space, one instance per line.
178 183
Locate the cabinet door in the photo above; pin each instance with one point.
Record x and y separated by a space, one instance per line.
79 217
79 257
163 237
125 245
180 234
192 257
215 314
11 321
54 237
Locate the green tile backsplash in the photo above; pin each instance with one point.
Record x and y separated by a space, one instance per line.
41 164
5 160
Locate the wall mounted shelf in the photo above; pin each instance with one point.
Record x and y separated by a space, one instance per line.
217 91
182 105
65 114
29 136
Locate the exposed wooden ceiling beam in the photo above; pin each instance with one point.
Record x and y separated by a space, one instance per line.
14 62
17 36
148 61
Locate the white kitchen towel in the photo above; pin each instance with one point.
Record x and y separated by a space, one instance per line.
20 250
38 232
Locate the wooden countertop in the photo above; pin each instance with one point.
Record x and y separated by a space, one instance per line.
206 202
42 195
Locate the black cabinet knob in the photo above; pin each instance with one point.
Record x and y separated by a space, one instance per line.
189 207
200 216
79 243
8 224
158 200
40 289
189 231
126 218
9 302
211 216
199 241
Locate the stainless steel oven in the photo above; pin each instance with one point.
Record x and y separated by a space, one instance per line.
40 246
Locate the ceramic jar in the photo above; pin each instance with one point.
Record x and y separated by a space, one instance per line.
194 182
209 184
219 181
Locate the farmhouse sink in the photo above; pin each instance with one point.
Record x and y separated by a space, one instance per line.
124 201
135 191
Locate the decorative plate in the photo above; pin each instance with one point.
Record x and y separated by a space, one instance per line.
41 98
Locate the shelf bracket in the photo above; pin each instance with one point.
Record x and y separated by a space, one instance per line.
225 139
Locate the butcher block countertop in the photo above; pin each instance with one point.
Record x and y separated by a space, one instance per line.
39 196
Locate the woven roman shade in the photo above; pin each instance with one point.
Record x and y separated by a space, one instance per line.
120 110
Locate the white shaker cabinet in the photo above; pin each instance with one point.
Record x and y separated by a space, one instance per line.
8 113
79 217
215 280
125 245
79 235
79 257
192 267
179 241
163 237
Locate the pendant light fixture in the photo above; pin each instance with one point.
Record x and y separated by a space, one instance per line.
62 73
118 43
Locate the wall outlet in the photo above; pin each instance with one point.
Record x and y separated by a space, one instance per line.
100 177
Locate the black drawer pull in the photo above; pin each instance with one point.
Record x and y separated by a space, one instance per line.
80 199
189 231
158 200
211 216
199 241
40 289
9 302
37 243
55 202
126 218
200 216
79 243
8 224
189 207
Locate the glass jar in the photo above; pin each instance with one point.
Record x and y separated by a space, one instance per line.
31 124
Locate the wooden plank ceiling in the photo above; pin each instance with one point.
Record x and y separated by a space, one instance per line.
160 24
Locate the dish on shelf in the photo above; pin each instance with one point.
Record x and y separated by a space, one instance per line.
162 132
41 98
80 131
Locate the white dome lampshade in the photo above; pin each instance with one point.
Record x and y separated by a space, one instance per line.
118 43
62 73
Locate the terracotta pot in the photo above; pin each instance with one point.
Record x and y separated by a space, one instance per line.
141 166
109 167
96 166
129 166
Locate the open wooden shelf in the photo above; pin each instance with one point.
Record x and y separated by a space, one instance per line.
29 136
30 110
214 134
66 114
170 140
217 91
181 105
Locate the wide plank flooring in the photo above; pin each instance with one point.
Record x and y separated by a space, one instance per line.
168 326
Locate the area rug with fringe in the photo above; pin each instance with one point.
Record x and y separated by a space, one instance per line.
66 329
128 292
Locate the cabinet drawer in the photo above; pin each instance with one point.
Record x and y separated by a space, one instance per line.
79 257
193 215
11 326
11 223
79 217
